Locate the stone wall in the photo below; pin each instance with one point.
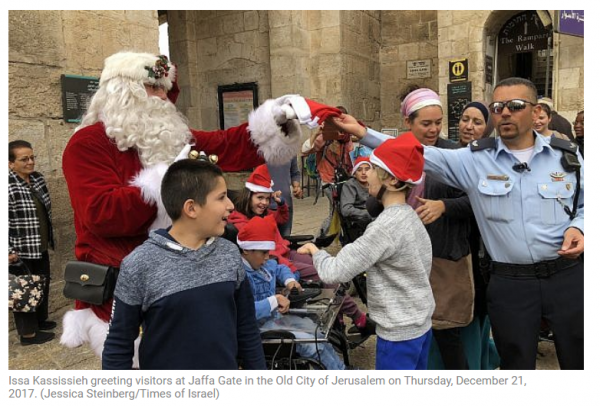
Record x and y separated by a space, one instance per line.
360 70
42 46
568 75
405 36
218 48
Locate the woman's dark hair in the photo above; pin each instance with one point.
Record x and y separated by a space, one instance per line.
16 145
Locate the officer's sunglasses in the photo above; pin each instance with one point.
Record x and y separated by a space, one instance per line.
512 105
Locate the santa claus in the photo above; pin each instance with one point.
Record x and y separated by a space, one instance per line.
115 160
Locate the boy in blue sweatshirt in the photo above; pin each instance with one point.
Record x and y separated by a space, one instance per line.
181 281
256 239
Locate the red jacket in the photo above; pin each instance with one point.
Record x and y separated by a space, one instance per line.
110 216
282 246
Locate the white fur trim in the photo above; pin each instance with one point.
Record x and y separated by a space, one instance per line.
257 188
302 110
276 147
83 326
148 181
132 65
355 168
256 245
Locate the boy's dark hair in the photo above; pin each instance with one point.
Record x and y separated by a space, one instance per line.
520 81
16 145
188 179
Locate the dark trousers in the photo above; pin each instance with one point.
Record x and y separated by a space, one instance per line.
27 323
451 348
517 304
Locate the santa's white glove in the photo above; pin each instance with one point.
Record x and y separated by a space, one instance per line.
282 109
184 154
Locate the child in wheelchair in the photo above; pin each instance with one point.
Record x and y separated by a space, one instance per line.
255 240
353 200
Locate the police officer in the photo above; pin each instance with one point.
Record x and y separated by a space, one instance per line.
523 193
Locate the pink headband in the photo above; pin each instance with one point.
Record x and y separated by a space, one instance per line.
418 99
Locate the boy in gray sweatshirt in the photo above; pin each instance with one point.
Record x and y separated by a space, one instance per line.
397 251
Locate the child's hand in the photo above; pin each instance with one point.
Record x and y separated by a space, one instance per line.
294 284
308 249
283 303
277 196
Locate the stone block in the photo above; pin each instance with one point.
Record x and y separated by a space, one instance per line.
330 39
445 18
281 38
280 18
58 133
250 20
34 91
209 28
569 99
233 23
36 37
460 49
207 47
569 78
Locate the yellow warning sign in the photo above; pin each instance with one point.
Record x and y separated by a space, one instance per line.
459 70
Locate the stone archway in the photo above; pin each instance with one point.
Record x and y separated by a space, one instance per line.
522 47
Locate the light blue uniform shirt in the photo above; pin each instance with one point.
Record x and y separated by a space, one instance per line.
519 215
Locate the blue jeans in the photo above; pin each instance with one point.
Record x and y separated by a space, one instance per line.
401 355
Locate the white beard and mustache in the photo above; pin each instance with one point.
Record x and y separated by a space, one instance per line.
152 126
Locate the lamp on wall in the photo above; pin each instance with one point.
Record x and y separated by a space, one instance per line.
544 16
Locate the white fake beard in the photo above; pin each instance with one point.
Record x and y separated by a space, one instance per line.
152 126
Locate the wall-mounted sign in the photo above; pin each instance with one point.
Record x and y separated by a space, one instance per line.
236 102
458 70
76 94
489 69
570 22
418 69
459 95
524 32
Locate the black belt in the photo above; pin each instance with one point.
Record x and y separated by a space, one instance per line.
543 269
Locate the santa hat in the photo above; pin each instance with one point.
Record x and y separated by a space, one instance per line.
139 67
258 234
401 157
311 113
359 161
260 180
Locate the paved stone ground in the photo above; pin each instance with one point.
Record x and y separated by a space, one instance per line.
307 219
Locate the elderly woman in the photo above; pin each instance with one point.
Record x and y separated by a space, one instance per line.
474 123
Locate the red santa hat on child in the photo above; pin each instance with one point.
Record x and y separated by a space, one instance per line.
401 157
359 161
258 234
311 113
260 180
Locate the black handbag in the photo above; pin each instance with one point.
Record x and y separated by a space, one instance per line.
90 283
25 290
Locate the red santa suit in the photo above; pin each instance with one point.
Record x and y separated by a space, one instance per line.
114 206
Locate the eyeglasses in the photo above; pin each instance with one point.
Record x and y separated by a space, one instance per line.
512 105
26 159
